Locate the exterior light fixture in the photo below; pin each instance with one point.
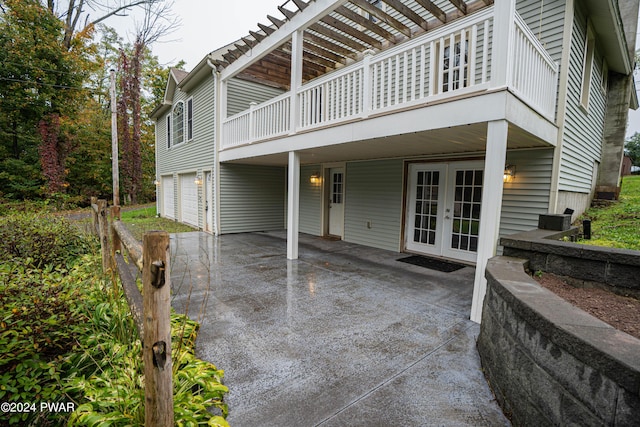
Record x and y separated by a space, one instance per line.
509 173
156 182
198 180
315 178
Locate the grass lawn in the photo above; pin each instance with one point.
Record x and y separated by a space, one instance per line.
139 221
618 225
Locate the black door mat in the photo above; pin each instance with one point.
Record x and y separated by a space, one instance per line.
432 263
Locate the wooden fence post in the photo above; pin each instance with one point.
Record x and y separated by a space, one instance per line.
157 330
116 243
103 227
94 214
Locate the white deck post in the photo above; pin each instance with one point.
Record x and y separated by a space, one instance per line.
293 205
503 23
495 157
296 79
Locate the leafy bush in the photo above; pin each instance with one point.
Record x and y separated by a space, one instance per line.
40 239
66 336
39 328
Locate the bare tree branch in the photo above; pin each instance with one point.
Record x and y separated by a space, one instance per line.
75 12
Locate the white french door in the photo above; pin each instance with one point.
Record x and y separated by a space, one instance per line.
443 209
336 201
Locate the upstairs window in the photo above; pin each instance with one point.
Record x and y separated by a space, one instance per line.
169 131
178 123
587 67
189 119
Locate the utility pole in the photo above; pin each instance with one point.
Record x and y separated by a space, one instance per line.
114 141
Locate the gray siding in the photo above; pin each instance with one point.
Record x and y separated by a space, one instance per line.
546 21
195 155
527 196
252 198
583 130
373 192
310 201
240 93
200 151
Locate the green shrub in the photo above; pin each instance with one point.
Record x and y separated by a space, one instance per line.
39 328
40 239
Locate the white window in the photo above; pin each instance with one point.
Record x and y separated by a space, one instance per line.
178 123
589 50
169 131
189 119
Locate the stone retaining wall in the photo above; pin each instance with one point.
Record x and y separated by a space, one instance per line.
583 265
550 363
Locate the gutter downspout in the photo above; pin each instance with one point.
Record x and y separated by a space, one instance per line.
217 101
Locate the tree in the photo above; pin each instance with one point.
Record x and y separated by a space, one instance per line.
40 84
632 148
158 21
76 18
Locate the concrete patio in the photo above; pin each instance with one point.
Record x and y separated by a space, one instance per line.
344 336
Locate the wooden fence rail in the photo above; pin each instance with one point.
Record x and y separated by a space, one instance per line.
150 309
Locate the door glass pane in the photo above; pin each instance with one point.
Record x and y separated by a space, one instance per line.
426 207
337 188
466 212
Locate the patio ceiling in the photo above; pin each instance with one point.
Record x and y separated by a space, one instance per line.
468 140
342 35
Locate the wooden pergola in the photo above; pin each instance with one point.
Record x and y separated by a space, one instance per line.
341 36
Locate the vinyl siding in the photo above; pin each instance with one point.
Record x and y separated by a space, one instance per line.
310 201
252 198
241 93
200 151
546 21
373 192
527 196
583 130
195 155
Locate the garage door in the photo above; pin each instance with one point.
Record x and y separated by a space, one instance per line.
189 199
168 204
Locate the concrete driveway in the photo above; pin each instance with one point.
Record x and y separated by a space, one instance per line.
344 336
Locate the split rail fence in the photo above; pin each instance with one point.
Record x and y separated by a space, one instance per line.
150 309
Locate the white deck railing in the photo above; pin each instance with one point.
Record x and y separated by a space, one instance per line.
534 75
450 61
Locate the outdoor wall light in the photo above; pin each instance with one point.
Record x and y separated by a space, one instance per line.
198 180
509 173
156 182
315 178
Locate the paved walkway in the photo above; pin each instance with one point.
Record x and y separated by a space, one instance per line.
344 336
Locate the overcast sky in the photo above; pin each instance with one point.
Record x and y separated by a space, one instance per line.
210 24
206 26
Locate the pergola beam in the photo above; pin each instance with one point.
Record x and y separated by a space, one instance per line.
382 16
366 23
433 9
347 29
408 12
460 5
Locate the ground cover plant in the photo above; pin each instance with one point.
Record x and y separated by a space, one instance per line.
69 352
618 225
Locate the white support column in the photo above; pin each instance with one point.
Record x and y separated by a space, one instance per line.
490 211
293 205
503 24
296 79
